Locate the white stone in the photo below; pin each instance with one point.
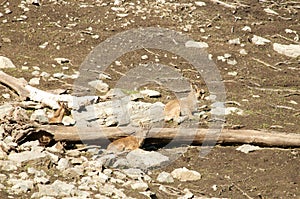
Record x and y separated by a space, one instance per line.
200 3
44 45
184 174
165 177
270 11
150 93
259 40
233 110
62 60
68 121
99 85
246 28
235 41
144 159
34 81
6 63
246 148
63 164
39 116
144 57
140 186
194 44
6 95
291 50
243 52
26 156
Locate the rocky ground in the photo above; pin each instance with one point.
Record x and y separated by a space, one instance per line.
255 46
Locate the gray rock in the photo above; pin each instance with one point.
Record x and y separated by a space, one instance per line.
26 156
22 186
34 81
140 186
107 160
73 153
184 174
291 50
3 178
257 40
5 110
9 165
6 63
99 85
62 60
146 159
41 180
235 41
39 116
165 177
134 174
63 164
57 189
194 44
150 93
68 121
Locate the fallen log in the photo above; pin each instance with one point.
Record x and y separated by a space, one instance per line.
26 91
180 136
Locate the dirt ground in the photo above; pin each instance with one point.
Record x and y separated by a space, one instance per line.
266 84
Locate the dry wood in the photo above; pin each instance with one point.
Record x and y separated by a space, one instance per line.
26 91
17 85
165 135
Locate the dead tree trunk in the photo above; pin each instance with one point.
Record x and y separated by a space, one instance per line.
165 135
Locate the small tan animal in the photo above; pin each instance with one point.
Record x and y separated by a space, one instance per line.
131 142
182 107
58 114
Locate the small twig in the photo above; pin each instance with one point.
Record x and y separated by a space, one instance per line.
283 37
149 51
273 89
224 4
4 2
243 192
266 64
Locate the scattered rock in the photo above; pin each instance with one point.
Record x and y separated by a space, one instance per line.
5 110
140 186
63 164
291 50
99 85
34 81
68 121
6 63
235 41
146 159
150 93
200 3
39 116
165 177
194 44
257 40
26 156
246 148
57 189
62 60
184 174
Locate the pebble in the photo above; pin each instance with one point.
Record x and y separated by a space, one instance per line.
291 50
62 60
194 44
150 93
140 186
200 3
165 177
6 63
234 41
184 174
144 57
34 81
39 116
257 40
246 148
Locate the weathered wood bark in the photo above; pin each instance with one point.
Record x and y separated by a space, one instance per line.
17 85
26 91
165 135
